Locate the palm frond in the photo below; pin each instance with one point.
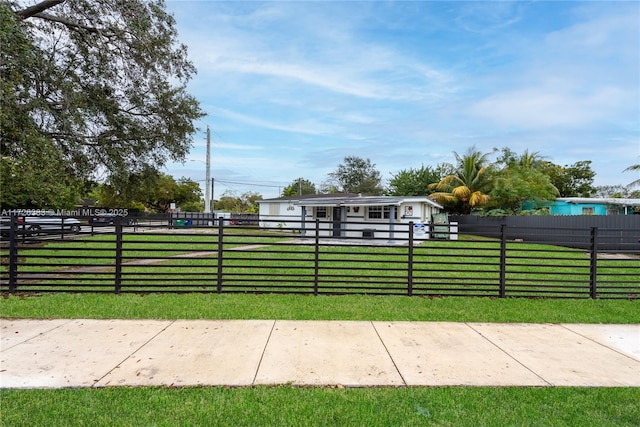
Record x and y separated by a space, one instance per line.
462 192
444 198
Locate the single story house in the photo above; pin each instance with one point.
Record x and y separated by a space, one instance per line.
593 206
350 215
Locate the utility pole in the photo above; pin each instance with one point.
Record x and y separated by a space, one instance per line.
212 195
207 196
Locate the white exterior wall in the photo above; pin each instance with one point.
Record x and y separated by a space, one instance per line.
287 215
280 215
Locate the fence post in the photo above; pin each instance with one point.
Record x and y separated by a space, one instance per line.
410 261
503 261
316 260
118 272
593 273
220 258
13 254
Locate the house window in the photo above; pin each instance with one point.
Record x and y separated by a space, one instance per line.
587 211
274 208
380 212
375 212
320 212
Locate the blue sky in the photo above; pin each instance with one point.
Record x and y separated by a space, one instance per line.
291 88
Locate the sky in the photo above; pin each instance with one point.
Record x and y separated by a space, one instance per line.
291 88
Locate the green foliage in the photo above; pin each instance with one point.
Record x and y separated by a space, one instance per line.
299 187
102 82
34 172
571 181
188 195
617 191
519 180
413 182
18 56
467 187
153 191
357 175
37 180
244 203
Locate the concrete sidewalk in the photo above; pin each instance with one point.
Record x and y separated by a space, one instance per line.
101 353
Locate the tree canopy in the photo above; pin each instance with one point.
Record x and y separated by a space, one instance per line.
152 191
574 180
101 83
34 182
299 187
413 182
243 203
357 175
469 184
516 179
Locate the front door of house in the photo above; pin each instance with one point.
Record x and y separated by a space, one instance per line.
337 225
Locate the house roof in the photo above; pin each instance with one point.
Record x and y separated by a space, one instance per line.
308 196
602 201
352 200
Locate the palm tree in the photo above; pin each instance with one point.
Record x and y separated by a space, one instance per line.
465 188
530 160
634 168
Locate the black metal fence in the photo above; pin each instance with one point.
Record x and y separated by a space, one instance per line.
202 219
151 254
616 232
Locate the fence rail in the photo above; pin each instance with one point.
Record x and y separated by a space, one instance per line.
151 254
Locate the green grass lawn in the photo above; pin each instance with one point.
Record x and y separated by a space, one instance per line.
288 406
298 307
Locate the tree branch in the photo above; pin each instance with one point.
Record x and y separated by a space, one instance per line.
38 8
70 24
37 11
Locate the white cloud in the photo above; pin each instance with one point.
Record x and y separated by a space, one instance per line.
309 52
584 75
488 16
310 127
542 107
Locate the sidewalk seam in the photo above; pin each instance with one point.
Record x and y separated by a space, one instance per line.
38 335
264 350
96 381
404 382
598 342
509 355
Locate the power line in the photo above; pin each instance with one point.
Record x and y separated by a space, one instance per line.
253 184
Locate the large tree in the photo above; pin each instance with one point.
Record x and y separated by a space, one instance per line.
152 191
357 175
571 180
516 179
299 187
103 82
467 187
244 203
34 182
413 182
